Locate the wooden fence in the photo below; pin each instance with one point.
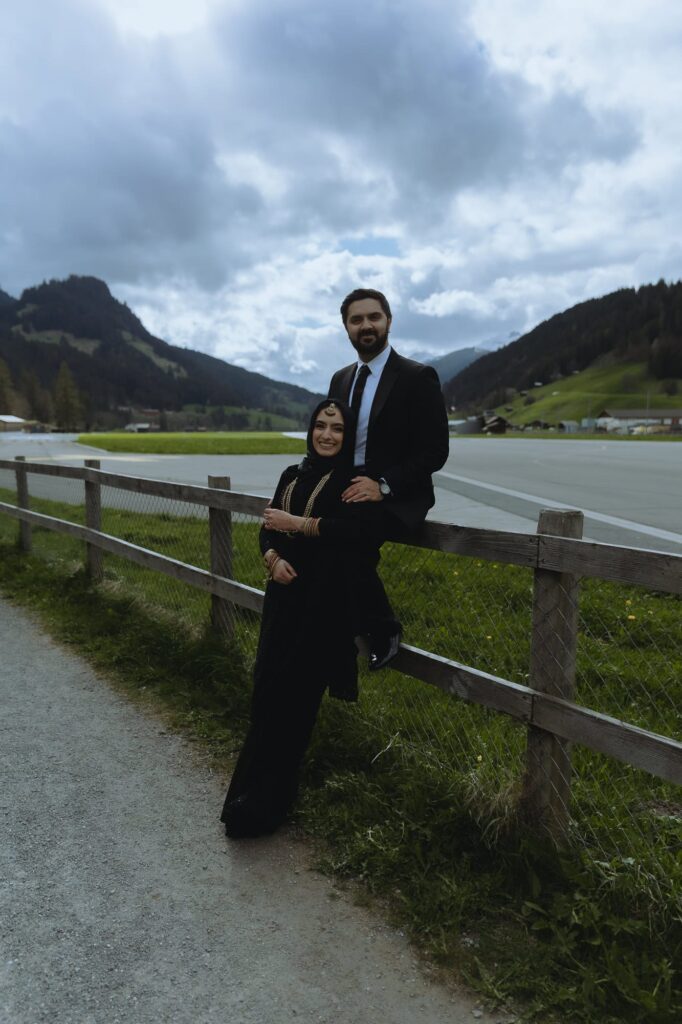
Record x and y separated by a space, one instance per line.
555 553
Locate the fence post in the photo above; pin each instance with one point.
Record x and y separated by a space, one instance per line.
93 518
25 535
220 537
546 793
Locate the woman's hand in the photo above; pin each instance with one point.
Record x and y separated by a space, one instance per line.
276 519
283 572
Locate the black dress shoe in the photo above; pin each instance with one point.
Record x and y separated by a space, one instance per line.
384 651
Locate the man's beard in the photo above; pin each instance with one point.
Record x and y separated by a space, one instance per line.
370 343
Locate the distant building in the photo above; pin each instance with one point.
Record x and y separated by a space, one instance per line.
569 426
624 421
8 422
495 424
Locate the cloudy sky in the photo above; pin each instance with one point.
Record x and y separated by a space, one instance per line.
232 168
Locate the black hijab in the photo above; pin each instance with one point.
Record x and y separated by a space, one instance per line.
315 465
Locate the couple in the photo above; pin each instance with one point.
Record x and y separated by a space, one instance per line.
371 449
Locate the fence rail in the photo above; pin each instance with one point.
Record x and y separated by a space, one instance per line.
554 721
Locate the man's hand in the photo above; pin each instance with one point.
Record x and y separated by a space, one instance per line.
362 488
283 572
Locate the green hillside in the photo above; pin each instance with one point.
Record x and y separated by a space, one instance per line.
624 386
71 354
626 327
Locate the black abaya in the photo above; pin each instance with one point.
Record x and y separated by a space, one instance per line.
306 645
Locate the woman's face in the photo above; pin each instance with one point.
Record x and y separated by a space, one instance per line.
328 432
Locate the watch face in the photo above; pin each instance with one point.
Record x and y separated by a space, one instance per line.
384 488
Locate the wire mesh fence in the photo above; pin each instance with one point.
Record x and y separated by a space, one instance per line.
476 612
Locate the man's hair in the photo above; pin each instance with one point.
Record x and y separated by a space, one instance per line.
364 293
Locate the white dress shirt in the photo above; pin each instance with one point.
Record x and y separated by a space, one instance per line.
375 367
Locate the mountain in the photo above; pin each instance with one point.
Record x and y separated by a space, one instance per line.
453 363
115 362
5 299
638 326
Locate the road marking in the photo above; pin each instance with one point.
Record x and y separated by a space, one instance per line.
626 524
103 455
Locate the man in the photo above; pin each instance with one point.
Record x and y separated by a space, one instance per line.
402 438
402 434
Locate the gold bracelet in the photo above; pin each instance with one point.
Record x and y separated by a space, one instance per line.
311 527
269 557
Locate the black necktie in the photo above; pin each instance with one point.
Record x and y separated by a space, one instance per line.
360 381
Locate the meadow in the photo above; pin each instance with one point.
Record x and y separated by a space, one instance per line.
586 394
199 443
411 794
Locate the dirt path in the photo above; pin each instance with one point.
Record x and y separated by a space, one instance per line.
122 901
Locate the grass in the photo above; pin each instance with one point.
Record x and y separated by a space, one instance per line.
585 394
225 443
414 794
560 435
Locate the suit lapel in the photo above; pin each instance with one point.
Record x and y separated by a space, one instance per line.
344 382
388 378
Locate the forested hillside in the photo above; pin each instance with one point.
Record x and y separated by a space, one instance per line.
642 325
105 355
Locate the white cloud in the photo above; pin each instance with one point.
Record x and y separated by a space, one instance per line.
446 303
232 169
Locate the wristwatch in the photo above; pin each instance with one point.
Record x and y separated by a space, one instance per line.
384 487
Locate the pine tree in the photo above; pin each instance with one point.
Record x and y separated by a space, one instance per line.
66 402
5 389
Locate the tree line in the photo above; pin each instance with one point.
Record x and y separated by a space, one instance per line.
61 405
641 325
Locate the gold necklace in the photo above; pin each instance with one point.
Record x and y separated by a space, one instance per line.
289 490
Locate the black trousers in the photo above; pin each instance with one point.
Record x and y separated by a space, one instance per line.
372 613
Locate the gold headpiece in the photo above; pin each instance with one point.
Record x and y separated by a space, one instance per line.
329 410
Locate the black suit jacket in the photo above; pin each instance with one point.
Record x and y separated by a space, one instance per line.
407 438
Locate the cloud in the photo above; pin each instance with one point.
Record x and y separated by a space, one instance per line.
233 174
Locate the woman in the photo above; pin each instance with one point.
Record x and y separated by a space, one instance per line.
316 549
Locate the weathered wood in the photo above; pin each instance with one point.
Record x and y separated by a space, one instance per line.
93 518
649 751
468 683
546 793
48 469
491 545
232 501
237 593
25 538
235 501
220 539
656 569
659 570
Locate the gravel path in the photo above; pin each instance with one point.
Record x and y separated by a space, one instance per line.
122 901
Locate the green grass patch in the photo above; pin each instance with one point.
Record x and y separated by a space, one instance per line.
413 793
226 443
560 435
586 394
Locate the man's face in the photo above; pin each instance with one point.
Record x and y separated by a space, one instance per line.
367 327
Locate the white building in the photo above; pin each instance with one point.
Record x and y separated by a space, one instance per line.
13 423
624 421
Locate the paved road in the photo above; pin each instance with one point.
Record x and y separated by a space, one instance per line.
631 492
121 901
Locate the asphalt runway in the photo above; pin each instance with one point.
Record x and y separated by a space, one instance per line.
630 491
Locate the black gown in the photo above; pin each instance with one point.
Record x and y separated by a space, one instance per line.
306 644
